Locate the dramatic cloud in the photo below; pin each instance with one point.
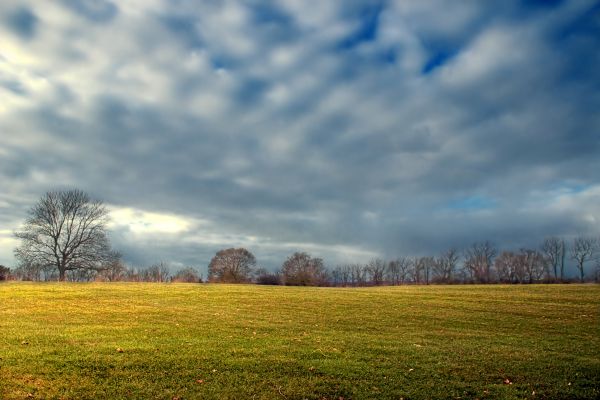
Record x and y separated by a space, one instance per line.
346 129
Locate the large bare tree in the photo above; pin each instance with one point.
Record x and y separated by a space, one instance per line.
65 230
231 265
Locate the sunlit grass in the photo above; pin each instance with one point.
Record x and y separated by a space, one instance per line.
191 341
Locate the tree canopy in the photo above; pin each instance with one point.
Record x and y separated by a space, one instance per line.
231 265
300 269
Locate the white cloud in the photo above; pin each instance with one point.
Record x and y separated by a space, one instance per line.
142 222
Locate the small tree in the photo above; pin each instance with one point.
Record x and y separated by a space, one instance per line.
554 251
114 271
507 265
4 273
264 277
534 264
479 260
376 269
65 230
582 251
445 265
157 273
187 275
358 274
300 269
232 266
398 270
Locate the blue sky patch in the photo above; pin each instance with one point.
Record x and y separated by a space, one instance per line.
23 22
367 28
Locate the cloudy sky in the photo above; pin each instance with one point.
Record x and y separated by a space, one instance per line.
347 129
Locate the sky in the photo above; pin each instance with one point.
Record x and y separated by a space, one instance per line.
346 129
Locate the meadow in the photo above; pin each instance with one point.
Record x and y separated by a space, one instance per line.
211 341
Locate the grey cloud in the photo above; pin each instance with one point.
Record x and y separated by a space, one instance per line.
99 11
253 119
14 86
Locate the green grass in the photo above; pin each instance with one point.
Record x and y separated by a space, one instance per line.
59 341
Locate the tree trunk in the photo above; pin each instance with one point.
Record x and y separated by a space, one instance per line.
61 275
562 261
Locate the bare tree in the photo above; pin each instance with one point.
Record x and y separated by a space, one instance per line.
416 270
66 230
534 265
4 273
28 272
114 271
479 261
300 269
398 270
187 275
358 275
582 250
428 264
157 273
232 266
445 265
554 250
376 270
340 275
506 265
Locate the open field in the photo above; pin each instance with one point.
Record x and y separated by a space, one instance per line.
186 341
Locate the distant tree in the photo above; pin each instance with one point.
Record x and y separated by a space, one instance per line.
398 270
65 230
376 269
534 264
114 271
479 261
187 275
340 276
358 274
416 270
554 250
427 266
81 275
445 265
583 250
300 269
232 266
157 273
264 277
4 273
27 272
506 265
133 274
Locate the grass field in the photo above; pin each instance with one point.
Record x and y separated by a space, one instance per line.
185 341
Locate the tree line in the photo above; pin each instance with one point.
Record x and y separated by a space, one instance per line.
65 238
